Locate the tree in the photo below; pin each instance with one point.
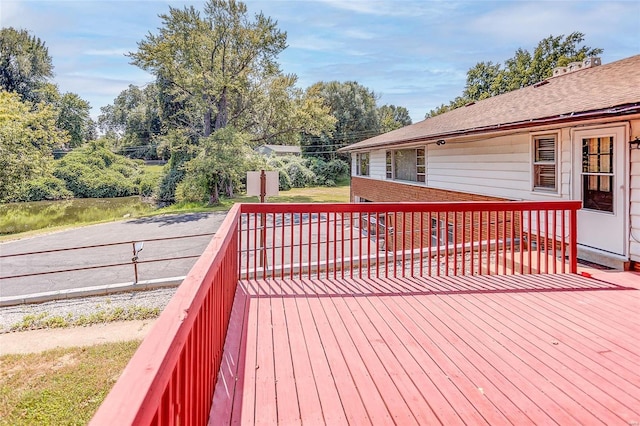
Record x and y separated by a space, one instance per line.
392 117
486 79
25 63
480 81
134 118
74 118
28 133
280 112
217 169
72 114
210 61
354 108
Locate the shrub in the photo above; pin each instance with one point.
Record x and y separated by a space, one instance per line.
300 174
44 188
95 172
167 189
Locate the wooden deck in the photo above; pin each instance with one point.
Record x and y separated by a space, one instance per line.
524 349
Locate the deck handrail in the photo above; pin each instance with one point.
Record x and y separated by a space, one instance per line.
399 239
171 377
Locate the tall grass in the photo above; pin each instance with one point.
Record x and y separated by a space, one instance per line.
22 217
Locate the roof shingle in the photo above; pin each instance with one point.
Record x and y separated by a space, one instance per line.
592 89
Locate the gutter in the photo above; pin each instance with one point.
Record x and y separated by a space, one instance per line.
558 119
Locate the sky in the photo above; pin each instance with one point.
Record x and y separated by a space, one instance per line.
413 54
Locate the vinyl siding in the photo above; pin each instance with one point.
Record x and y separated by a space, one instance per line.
499 167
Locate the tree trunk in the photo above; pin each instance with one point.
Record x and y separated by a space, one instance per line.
213 196
207 122
222 116
229 190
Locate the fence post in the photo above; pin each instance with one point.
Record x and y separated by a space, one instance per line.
134 260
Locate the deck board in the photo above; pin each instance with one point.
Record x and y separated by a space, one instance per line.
536 349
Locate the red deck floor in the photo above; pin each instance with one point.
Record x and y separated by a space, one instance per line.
545 349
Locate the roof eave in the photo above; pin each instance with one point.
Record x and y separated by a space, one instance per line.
620 110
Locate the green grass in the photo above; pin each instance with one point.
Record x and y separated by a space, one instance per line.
61 386
99 316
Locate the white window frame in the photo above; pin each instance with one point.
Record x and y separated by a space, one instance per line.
421 164
360 158
438 230
538 164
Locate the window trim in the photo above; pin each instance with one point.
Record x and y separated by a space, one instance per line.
421 164
536 164
360 156
438 229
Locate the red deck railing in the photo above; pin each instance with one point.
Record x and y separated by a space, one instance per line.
408 239
171 378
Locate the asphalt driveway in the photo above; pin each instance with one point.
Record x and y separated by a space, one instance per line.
116 232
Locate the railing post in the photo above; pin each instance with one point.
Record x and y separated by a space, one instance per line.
573 241
134 260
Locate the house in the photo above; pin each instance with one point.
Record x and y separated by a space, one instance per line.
278 150
574 136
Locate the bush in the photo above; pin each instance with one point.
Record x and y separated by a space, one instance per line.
44 188
167 189
95 172
147 184
284 181
295 168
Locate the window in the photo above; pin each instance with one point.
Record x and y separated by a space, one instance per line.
362 164
407 164
439 234
544 163
597 173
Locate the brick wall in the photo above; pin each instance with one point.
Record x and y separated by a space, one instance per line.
388 191
415 230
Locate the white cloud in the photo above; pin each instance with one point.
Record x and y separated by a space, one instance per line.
388 7
107 52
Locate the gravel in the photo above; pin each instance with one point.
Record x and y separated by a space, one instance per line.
75 308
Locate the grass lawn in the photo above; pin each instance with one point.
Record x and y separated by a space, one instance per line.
61 386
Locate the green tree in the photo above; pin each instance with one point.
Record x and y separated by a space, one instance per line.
218 168
393 117
74 118
487 79
25 63
210 60
354 108
28 133
280 112
72 113
133 120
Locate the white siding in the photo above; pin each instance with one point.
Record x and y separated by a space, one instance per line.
499 167
377 165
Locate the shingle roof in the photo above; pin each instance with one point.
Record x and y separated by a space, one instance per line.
283 148
600 89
